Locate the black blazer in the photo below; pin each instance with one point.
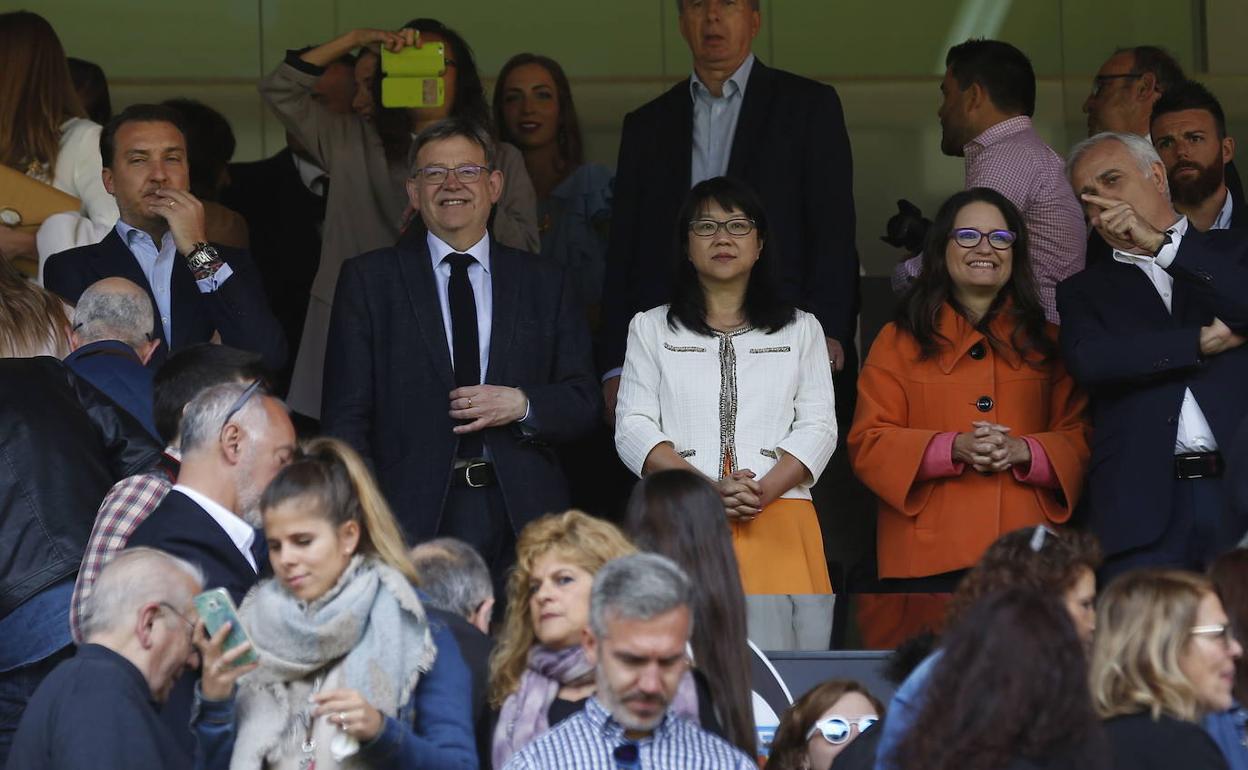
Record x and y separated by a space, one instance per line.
388 377
791 146
1138 742
1136 360
237 309
282 216
178 525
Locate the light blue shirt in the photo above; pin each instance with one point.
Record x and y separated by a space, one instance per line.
715 122
157 267
482 291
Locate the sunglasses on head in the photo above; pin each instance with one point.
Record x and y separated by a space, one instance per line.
837 729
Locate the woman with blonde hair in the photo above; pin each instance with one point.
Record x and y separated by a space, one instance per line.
351 673
45 133
33 322
1164 656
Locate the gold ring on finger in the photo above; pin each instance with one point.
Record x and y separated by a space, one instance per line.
470 403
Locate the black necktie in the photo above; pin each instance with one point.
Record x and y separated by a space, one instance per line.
465 346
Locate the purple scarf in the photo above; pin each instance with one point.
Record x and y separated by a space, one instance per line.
524 714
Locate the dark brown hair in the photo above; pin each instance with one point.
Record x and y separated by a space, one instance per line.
568 130
36 92
788 749
1229 574
678 514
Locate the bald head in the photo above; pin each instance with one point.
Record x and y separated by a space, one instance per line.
115 309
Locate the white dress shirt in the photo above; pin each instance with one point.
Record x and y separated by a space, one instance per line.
740 399
240 532
715 122
1194 434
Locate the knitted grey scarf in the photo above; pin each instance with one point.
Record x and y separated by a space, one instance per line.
371 621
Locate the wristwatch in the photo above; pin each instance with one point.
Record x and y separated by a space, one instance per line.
203 260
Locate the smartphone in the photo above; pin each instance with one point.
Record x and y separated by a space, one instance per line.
215 608
412 77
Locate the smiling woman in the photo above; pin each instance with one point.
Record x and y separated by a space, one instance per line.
966 375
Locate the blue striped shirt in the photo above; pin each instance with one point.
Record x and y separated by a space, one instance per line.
588 740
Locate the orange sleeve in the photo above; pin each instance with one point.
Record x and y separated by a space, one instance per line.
1066 444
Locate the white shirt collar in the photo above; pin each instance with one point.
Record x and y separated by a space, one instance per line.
732 86
310 174
129 232
1223 220
240 532
438 249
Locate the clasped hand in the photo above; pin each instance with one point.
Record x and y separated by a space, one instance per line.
742 496
487 406
990 448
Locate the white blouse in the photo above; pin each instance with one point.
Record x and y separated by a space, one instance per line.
78 172
730 402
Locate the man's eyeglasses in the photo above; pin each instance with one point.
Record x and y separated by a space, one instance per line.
1218 631
189 623
707 228
240 402
969 238
1100 81
837 729
466 174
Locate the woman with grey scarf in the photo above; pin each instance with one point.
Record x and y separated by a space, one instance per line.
351 674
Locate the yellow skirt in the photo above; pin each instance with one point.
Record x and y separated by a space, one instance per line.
781 551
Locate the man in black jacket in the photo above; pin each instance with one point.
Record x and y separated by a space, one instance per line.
62 445
783 135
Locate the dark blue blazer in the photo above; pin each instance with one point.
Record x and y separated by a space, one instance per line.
1136 360
237 309
792 148
388 377
179 526
114 368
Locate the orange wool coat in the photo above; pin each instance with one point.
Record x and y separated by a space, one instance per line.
939 525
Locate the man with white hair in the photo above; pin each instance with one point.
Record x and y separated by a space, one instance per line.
112 342
1155 335
640 622
99 708
235 438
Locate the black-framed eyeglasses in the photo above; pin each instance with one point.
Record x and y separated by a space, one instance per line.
627 756
190 624
240 402
1218 631
969 238
466 174
738 227
837 729
1100 81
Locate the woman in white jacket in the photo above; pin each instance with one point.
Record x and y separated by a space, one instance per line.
734 383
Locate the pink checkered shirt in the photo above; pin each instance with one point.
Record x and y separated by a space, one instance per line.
125 507
1011 158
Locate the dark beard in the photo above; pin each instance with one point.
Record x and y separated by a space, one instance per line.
1196 190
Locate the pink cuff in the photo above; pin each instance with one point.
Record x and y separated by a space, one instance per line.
938 460
1040 473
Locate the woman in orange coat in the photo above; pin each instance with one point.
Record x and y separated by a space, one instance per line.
968 426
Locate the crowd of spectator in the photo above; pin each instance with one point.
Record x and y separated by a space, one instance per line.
426 443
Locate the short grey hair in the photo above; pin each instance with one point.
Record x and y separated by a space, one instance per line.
453 576
640 586
135 577
1140 148
449 128
104 314
205 414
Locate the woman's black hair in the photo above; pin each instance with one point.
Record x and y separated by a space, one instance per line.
920 305
1012 683
568 132
764 307
394 124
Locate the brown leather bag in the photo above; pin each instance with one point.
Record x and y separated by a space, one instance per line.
25 203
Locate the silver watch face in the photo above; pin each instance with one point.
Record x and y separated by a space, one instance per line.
203 256
10 217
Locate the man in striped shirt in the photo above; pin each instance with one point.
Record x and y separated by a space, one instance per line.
639 627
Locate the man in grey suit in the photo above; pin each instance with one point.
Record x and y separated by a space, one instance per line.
455 362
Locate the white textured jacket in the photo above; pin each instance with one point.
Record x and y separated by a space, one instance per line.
728 402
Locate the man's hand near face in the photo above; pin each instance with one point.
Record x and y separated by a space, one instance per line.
185 215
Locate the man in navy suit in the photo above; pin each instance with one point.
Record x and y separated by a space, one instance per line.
783 135
235 438
112 342
1155 335
455 362
200 291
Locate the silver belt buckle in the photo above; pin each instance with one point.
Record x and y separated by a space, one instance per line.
468 473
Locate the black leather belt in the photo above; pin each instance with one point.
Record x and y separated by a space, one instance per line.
1198 465
474 474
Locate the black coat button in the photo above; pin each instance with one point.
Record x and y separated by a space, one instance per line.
1172 420
984 404
977 351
